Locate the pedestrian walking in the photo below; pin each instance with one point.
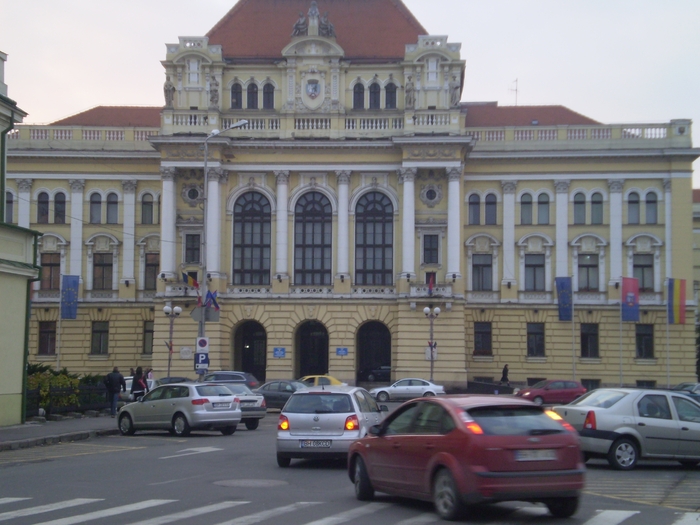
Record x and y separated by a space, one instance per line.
114 382
139 385
504 376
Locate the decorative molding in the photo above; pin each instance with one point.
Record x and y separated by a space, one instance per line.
562 186
129 186
616 186
407 174
343 176
26 184
509 186
282 177
431 195
167 173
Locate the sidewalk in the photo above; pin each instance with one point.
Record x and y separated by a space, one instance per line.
38 433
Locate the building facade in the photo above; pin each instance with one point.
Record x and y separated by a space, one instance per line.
320 173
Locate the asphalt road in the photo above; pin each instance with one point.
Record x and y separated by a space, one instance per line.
209 479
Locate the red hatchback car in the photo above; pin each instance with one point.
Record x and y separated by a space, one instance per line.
462 450
553 392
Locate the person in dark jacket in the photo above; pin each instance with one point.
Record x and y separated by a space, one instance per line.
139 385
115 383
504 376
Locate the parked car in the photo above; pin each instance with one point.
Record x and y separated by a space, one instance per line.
181 408
321 422
127 397
232 376
277 393
688 387
173 379
625 425
408 388
320 380
462 450
553 391
253 406
378 373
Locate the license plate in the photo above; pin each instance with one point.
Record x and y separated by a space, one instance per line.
220 405
315 443
247 403
536 455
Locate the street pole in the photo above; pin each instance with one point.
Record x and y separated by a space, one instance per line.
171 313
431 313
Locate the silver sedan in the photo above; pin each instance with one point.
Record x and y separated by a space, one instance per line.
408 388
181 408
253 405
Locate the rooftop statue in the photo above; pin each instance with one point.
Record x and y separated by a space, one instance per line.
301 27
325 28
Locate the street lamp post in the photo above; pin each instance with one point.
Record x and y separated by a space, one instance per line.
431 313
171 313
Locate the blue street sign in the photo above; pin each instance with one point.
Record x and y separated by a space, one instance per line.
279 352
341 351
201 361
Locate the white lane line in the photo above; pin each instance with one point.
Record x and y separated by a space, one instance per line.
611 517
190 513
689 518
421 519
267 514
114 511
350 515
46 508
11 500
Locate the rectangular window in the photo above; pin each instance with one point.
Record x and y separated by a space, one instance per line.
535 339
589 340
151 275
645 341
588 272
47 338
148 338
534 273
100 338
590 384
643 270
192 248
9 207
482 339
102 271
430 249
50 271
482 273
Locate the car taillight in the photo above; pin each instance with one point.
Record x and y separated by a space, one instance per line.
589 422
264 405
557 417
352 423
200 401
472 426
283 423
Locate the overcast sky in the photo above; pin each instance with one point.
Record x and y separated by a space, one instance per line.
632 61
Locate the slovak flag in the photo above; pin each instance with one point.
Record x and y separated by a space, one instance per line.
629 299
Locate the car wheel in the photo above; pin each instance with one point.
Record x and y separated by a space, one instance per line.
428 394
623 454
228 431
563 507
383 397
538 400
363 486
688 463
283 462
181 427
371 377
448 503
252 424
126 426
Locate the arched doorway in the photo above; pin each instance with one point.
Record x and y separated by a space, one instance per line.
250 349
311 355
373 351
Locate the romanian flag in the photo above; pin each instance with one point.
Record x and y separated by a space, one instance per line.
189 280
675 301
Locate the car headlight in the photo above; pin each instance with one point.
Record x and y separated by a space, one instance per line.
525 394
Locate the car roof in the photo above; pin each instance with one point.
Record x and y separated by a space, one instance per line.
478 400
329 389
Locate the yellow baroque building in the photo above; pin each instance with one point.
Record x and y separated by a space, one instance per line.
321 175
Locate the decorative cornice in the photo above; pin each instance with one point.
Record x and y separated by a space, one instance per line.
343 176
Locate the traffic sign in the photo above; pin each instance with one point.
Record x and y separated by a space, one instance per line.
202 345
201 361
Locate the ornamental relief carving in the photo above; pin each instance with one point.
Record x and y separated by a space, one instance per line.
431 194
432 153
184 152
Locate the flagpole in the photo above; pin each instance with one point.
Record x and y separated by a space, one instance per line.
668 352
573 331
620 331
60 318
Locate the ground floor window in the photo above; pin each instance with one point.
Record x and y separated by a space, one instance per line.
589 340
148 337
100 338
645 341
47 338
482 339
535 339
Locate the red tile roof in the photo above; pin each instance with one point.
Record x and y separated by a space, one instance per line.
117 116
490 114
365 29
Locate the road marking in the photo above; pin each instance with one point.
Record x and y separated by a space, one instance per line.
45 508
11 500
421 519
689 518
191 451
530 512
178 480
351 514
114 511
267 514
190 513
611 517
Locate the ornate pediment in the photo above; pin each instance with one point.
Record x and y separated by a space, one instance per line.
313 47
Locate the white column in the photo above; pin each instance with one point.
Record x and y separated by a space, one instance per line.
167 223
343 222
574 268
509 231
129 240
24 204
669 228
454 222
615 230
76 226
407 177
282 178
562 228
216 177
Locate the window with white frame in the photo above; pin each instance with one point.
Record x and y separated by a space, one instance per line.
526 209
431 247
596 208
543 209
193 248
643 270
534 272
193 70
588 272
95 208
474 210
579 208
535 340
112 208
651 208
482 272
59 208
633 208
490 209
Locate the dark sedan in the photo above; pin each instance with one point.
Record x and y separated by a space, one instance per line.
378 373
277 393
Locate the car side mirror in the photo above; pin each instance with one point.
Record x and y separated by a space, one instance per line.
374 430
383 408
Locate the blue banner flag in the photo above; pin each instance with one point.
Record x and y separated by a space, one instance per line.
211 301
69 296
565 297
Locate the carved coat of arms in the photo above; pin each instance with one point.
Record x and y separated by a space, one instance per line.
313 88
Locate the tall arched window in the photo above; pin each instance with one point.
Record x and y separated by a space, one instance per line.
490 205
252 223
42 208
147 209
579 208
374 240
474 209
95 208
252 97
268 96
358 96
526 209
374 96
112 208
313 245
59 208
543 209
390 92
633 208
236 97
651 208
596 208
9 207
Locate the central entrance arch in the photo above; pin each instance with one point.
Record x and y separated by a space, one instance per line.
373 351
311 355
250 349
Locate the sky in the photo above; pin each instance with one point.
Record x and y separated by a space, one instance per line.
631 61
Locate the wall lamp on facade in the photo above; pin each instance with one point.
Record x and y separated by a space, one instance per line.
342 278
279 278
509 285
617 285
126 283
454 277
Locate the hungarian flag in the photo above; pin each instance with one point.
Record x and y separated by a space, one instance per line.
675 300
189 280
629 299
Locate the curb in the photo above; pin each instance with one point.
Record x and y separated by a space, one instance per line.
59 438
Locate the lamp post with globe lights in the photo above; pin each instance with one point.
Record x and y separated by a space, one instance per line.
171 313
431 313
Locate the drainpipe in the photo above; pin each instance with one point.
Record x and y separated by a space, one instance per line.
3 164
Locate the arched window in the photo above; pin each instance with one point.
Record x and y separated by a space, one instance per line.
474 209
579 208
651 208
374 240
112 208
252 226
374 96
490 207
313 233
252 96
9 207
526 209
42 208
59 208
147 209
633 208
596 208
268 96
95 208
236 97
543 209
390 92
358 96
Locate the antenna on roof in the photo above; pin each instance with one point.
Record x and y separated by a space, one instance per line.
516 90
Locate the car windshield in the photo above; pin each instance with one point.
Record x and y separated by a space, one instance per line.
600 398
298 384
213 390
239 389
514 421
541 384
319 404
